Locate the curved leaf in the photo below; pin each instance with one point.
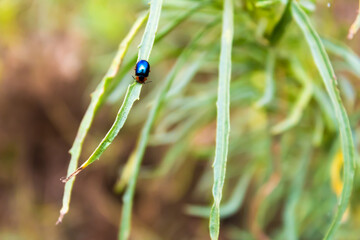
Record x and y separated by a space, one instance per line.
327 73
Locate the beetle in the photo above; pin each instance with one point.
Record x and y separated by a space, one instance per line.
142 70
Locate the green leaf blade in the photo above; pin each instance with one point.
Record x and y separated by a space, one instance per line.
269 92
327 73
223 116
144 53
133 165
97 99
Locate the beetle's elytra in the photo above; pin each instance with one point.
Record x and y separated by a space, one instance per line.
142 70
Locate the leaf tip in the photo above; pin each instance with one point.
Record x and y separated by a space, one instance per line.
61 216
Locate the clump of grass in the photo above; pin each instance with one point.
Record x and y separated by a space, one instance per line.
270 131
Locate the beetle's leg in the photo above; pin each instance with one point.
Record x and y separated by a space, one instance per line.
134 78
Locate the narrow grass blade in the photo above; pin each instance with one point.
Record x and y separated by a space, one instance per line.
182 129
97 99
355 26
269 191
114 91
269 83
148 39
133 92
349 92
318 130
344 52
301 103
172 156
266 3
180 19
231 206
170 160
191 106
281 26
296 187
319 94
223 116
324 66
296 113
173 136
325 104
178 86
135 162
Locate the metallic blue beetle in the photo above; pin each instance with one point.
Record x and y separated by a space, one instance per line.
142 70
